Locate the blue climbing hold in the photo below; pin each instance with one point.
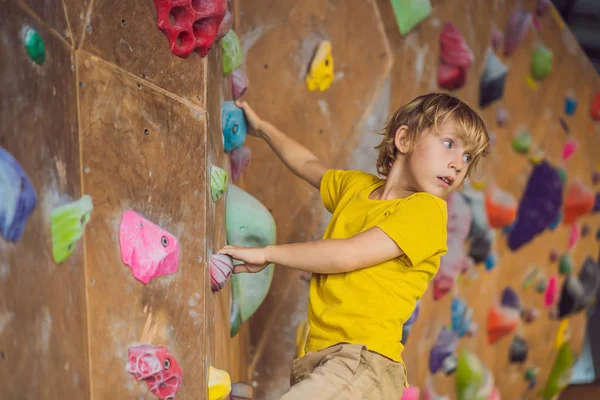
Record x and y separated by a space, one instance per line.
490 261
570 105
554 224
233 122
17 199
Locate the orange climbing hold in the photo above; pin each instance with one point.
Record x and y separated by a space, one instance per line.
578 201
500 206
501 321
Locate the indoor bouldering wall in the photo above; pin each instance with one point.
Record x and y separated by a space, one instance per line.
113 189
507 312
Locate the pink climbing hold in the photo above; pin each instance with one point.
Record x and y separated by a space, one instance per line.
569 149
497 37
146 248
157 367
541 6
240 159
220 268
456 58
516 29
239 83
226 23
411 393
551 291
574 235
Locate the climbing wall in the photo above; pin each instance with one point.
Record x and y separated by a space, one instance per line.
539 124
108 140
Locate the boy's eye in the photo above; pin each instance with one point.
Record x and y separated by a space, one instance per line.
447 143
467 158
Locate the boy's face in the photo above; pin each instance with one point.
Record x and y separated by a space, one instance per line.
439 161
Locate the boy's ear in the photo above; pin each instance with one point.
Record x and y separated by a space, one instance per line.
401 139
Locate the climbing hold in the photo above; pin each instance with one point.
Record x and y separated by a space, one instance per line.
501 321
541 6
410 13
235 319
455 58
501 116
531 83
530 314
578 292
522 142
536 156
500 207
301 338
239 83
241 391
231 51
518 350
220 267
563 125
510 299
146 248
579 201
411 393
541 62
596 177
540 204
157 367
18 197
249 224
240 159
407 326
320 74
34 44
516 29
481 235
444 347
531 377
565 265
569 149
233 123
490 261
585 230
550 294
530 276
563 334
570 105
574 236
541 285
226 23
595 107
553 256
67 224
560 374
219 384
493 80
497 37
473 379
190 25
218 182
461 317
449 365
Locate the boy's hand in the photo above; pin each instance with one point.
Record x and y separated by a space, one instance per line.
254 120
254 258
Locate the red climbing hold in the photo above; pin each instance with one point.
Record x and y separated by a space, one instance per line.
190 25
157 367
595 107
456 58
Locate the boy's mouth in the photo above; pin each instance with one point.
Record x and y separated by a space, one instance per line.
447 180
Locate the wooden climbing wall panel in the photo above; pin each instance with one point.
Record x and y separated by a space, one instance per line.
113 114
369 53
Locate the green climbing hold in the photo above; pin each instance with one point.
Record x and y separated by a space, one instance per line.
218 182
472 378
410 13
34 45
248 223
522 142
541 62
540 286
67 225
562 173
231 52
565 266
235 319
531 374
560 374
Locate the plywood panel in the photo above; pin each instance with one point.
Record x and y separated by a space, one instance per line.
43 341
162 176
51 12
125 33
78 16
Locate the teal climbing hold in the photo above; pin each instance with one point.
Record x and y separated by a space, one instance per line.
248 223
218 182
235 319
565 265
67 225
541 62
34 45
231 52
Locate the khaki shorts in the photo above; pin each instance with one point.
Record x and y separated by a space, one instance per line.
346 371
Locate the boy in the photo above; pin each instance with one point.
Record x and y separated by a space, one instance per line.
380 250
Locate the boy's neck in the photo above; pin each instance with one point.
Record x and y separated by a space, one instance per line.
395 187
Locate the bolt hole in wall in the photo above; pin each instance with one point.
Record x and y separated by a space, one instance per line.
146 132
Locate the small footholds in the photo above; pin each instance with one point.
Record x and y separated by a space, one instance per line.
241 391
570 105
218 182
220 269
156 366
34 45
67 225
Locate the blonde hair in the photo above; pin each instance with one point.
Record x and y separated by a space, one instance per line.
428 111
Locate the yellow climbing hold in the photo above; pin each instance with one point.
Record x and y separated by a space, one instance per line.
301 337
219 384
564 333
531 83
320 75
536 156
478 184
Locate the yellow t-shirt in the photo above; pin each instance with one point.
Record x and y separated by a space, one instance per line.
370 305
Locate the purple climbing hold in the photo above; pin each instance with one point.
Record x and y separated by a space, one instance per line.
596 203
17 197
407 326
539 207
444 347
585 229
553 256
510 299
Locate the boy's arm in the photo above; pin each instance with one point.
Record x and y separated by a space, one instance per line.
329 256
301 161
